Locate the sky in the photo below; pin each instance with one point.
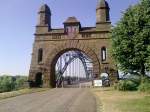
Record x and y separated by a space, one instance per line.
18 19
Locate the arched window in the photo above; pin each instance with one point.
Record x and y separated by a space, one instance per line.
40 55
103 53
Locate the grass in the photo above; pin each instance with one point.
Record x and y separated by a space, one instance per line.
136 105
116 101
21 92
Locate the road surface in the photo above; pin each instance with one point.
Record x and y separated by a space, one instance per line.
55 100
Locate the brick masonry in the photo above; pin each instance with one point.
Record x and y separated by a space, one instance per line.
55 42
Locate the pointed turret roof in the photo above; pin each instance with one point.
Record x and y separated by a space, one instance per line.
71 20
102 4
45 8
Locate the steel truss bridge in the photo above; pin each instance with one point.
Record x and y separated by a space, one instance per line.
66 59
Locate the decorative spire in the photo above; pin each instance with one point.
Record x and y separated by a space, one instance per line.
102 12
102 4
44 16
45 9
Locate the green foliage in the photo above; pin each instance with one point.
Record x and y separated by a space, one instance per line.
145 85
134 84
126 85
10 83
6 84
20 81
131 39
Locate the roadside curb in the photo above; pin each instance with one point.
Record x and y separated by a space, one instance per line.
20 92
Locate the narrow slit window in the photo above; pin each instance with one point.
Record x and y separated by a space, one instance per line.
40 55
103 54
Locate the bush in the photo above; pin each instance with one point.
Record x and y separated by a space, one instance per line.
145 85
20 82
10 83
126 85
6 84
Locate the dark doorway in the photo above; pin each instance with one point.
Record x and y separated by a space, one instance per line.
38 80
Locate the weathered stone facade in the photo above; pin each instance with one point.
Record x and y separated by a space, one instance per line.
55 42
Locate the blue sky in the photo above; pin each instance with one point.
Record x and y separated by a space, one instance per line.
19 17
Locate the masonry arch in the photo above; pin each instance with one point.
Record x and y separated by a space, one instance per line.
70 45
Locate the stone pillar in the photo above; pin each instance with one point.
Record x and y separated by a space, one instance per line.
113 76
46 79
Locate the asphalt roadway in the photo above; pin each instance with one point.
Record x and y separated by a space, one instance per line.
54 100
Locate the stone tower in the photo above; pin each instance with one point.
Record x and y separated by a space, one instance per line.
51 43
102 14
44 17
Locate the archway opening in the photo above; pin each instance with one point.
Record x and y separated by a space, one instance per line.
38 80
72 68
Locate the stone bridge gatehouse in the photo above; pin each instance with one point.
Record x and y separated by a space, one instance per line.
51 43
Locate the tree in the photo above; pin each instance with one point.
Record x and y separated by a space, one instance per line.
20 81
131 39
10 83
6 83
